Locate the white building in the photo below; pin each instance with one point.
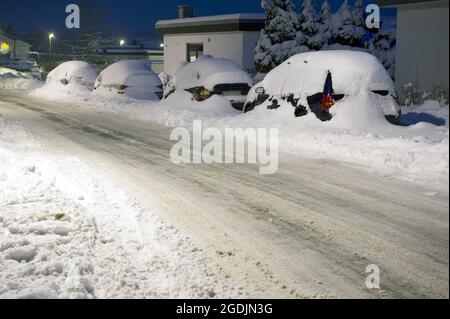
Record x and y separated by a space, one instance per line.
422 42
232 36
13 48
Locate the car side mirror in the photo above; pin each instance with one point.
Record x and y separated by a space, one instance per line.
260 90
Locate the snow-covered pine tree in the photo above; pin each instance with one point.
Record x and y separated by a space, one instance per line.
382 45
344 29
359 22
309 26
278 35
325 23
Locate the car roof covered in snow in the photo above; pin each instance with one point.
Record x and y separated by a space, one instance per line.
208 72
73 69
305 73
129 73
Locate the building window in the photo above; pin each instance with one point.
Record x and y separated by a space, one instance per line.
194 51
4 48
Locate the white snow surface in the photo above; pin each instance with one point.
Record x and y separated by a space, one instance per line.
18 81
357 134
208 71
73 71
66 232
214 19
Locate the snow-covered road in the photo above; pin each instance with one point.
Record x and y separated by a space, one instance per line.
308 231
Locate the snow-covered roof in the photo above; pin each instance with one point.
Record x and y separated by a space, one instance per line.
395 3
227 22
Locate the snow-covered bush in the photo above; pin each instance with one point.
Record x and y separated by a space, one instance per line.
382 45
325 23
413 94
345 31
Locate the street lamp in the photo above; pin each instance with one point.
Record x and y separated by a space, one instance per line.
122 43
51 36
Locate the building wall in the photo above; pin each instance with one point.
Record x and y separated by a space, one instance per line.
22 50
18 49
422 45
236 46
250 41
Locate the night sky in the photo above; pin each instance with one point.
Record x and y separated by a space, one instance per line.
134 18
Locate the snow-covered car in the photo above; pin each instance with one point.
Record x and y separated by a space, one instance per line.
315 81
20 65
208 76
132 78
73 72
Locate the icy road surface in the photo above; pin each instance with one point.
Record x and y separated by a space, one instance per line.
308 231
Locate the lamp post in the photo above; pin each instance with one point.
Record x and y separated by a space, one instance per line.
51 36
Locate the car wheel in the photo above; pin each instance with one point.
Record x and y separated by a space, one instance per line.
393 119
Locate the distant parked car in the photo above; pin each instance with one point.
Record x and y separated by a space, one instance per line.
208 76
19 65
315 81
73 72
132 78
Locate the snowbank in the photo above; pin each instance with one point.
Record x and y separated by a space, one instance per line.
419 151
66 232
14 80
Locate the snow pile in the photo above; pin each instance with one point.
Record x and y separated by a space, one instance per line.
14 80
67 233
57 91
208 72
73 72
419 152
136 78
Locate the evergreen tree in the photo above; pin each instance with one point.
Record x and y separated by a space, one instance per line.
382 45
309 26
344 29
278 36
359 23
325 23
